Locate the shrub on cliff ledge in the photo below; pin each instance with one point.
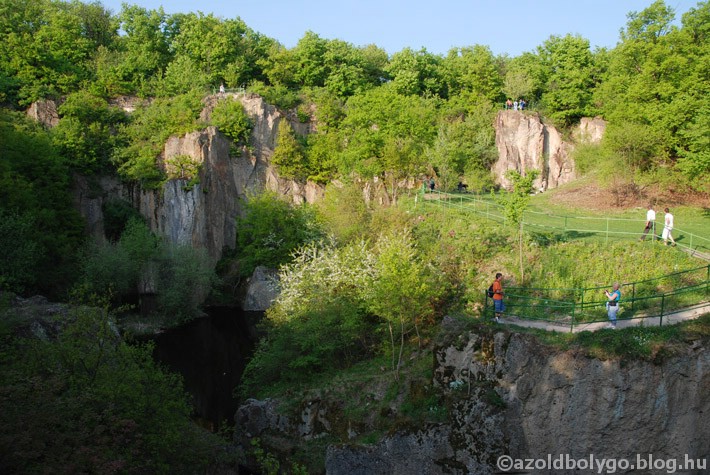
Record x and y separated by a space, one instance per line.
271 230
232 120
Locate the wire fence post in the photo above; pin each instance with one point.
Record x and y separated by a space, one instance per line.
653 230
485 306
571 327
606 241
582 303
663 305
633 295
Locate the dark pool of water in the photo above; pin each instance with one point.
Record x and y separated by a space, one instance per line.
210 353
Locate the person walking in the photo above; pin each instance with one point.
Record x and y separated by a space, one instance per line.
498 305
668 227
650 223
612 304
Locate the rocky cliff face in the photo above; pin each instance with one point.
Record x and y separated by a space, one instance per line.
568 403
514 396
524 143
44 112
204 215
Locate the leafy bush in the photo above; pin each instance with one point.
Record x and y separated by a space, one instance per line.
278 95
117 213
20 260
140 263
338 305
289 155
35 195
85 133
232 120
344 211
271 230
143 138
318 321
88 402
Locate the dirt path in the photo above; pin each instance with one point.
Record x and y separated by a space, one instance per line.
678 316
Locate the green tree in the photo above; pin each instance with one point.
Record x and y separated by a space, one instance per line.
416 73
465 145
384 129
318 322
145 47
85 134
270 230
655 86
89 402
289 156
345 212
46 47
569 67
473 70
399 291
35 195
232 120
516 202
524 78
139 263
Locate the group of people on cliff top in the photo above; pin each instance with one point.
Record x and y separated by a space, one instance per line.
495 291
515 105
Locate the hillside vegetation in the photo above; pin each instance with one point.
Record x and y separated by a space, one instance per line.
363 286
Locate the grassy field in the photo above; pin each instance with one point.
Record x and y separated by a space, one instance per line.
692 224
580 249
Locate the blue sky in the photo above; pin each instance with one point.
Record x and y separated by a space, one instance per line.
506 26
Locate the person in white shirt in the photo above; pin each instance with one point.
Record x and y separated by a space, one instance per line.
668 227
650 223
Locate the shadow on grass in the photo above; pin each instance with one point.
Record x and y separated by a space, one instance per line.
570 235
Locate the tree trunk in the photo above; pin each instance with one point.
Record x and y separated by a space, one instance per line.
396 375
520 242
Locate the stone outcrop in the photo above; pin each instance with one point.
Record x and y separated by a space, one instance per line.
203 214
515 396
44 112
591 130
262 289
562 402
525 143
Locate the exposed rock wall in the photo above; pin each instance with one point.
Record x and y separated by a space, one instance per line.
568 403
517 397
44 112
204 215
591 130
525 143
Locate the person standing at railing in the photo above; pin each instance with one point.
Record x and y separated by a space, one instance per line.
612 304
498 304
650 223
668 227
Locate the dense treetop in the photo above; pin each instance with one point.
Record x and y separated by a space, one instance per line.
376 112
407 115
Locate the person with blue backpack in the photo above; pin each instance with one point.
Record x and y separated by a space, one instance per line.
612 304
